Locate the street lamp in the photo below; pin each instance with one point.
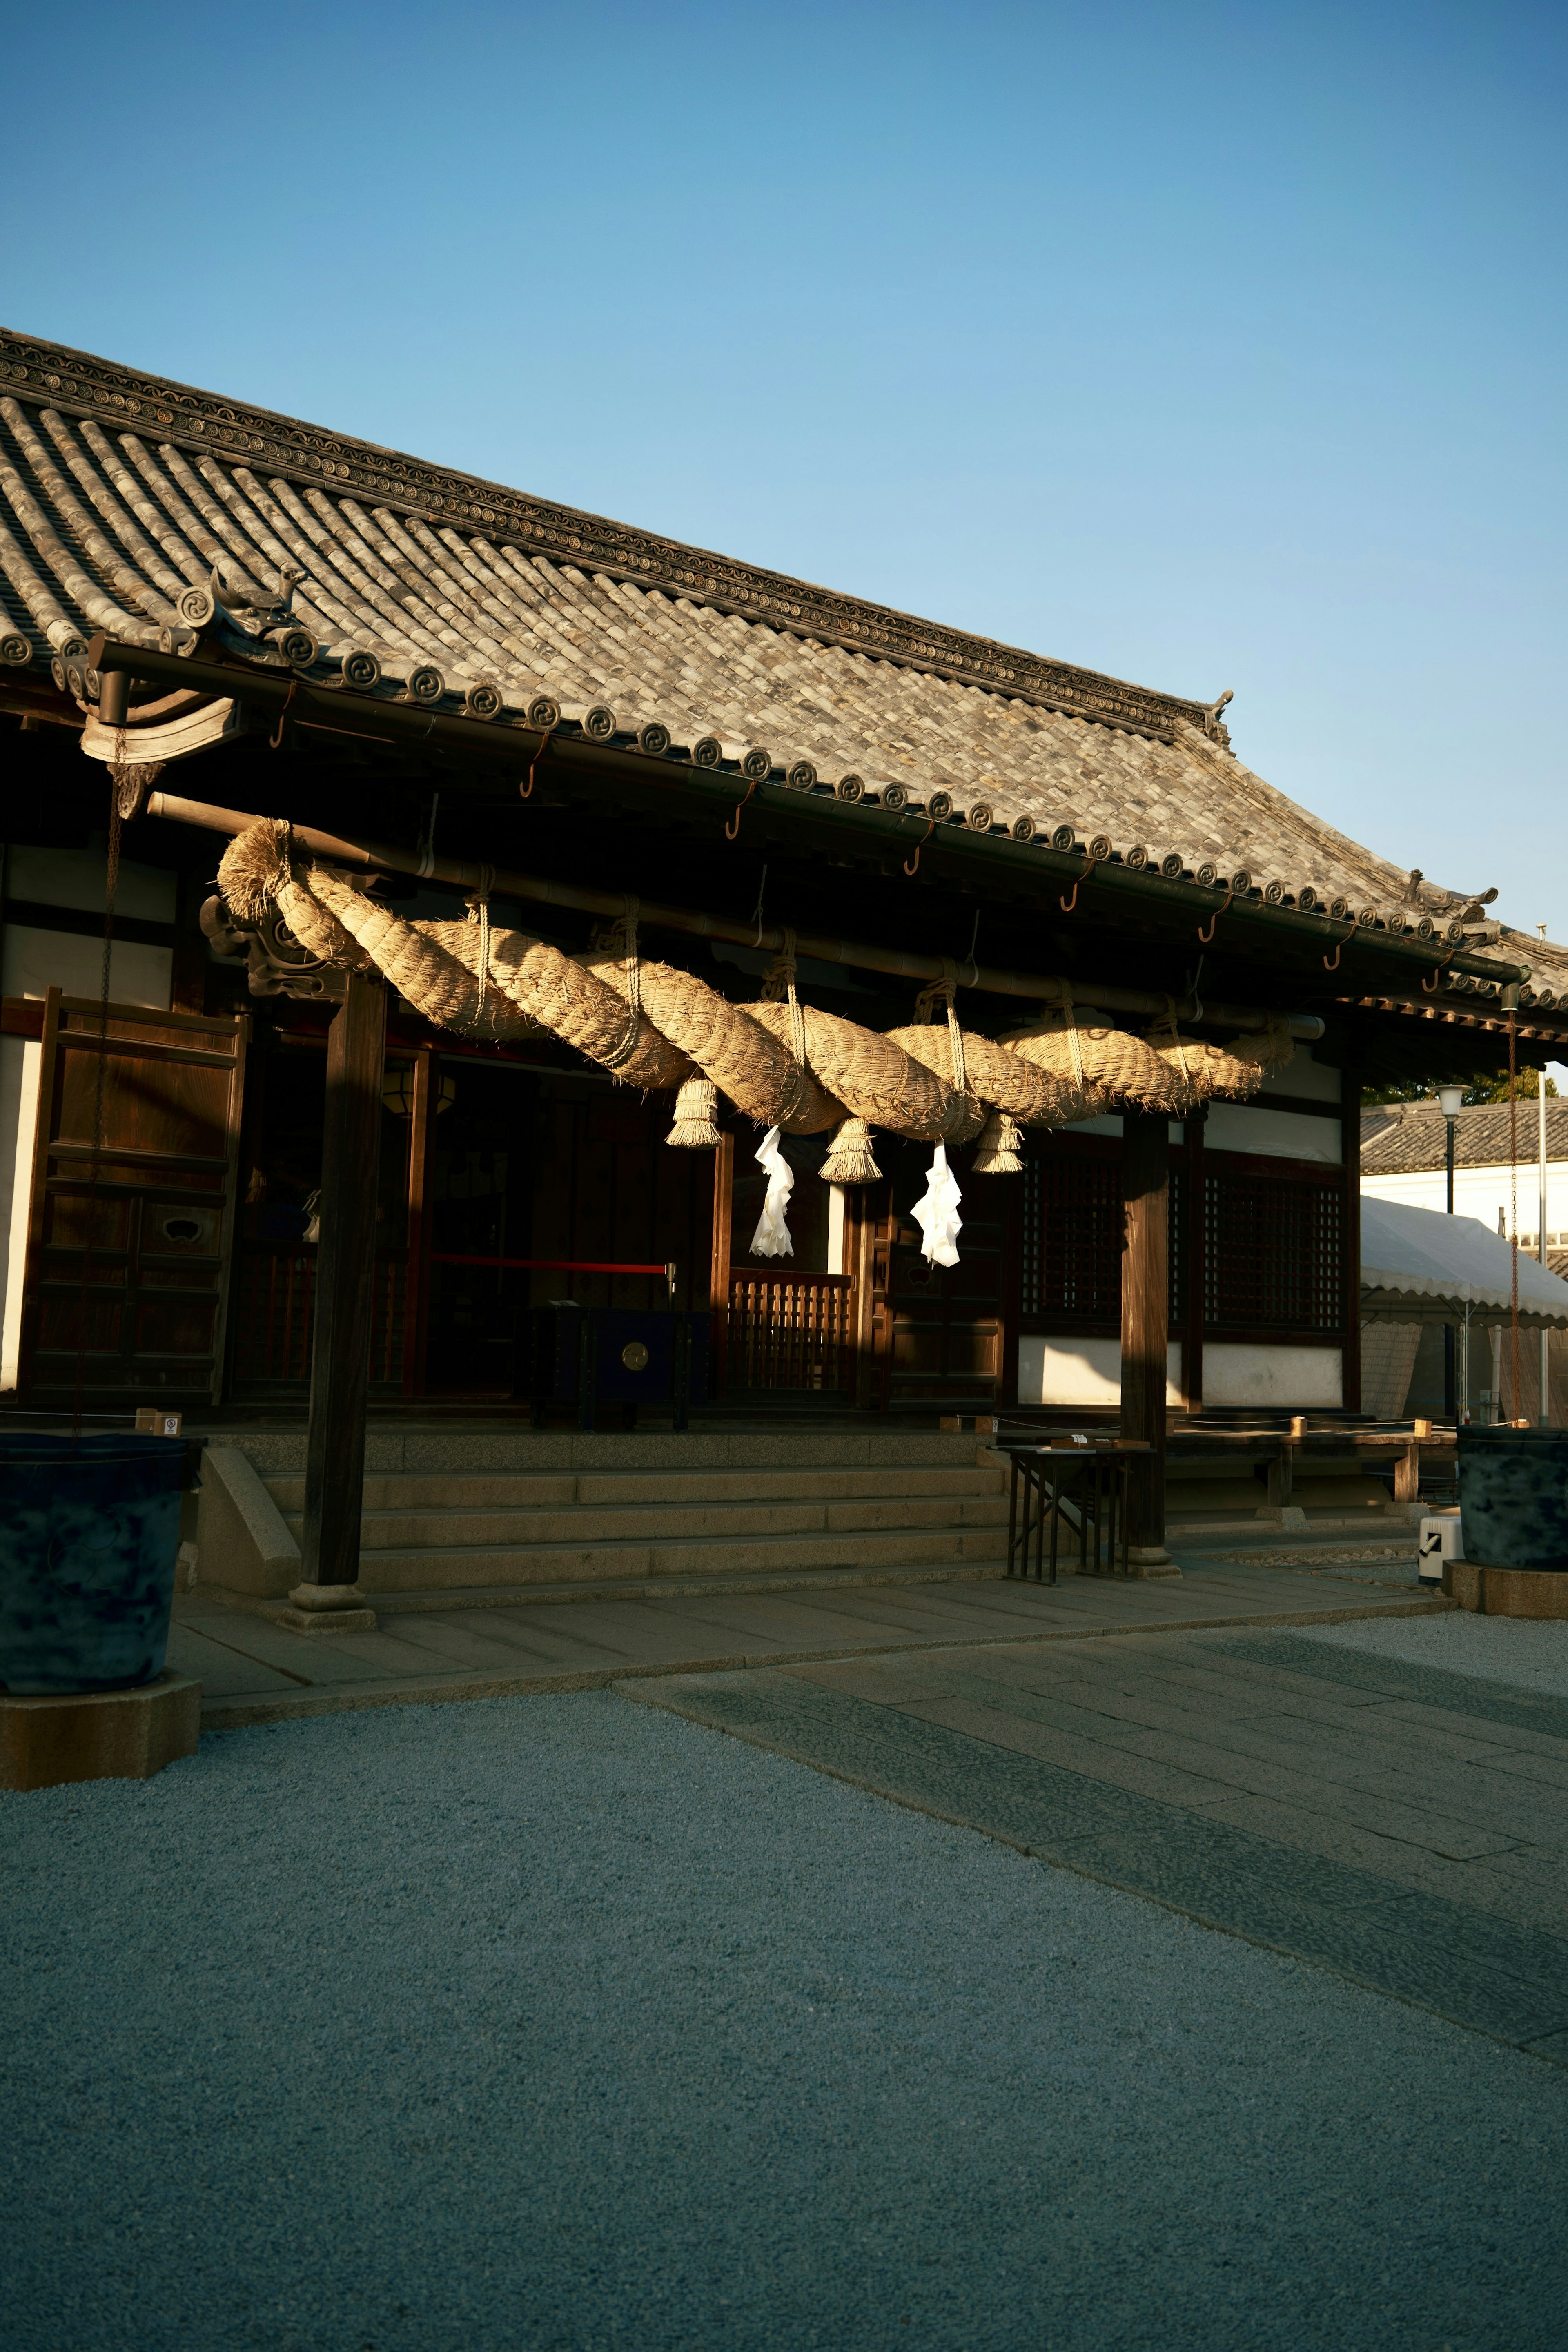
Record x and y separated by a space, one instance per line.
1451 1102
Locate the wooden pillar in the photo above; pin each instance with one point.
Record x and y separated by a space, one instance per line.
718 1278
421 1183
1195 1246
345 1296
1145 1322
1350 1312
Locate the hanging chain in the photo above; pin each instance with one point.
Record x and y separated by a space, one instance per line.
110 891
1513 1198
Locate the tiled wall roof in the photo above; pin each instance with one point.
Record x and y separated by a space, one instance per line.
120 492
1407 1139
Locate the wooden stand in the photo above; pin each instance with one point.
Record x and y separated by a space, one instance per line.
1145 1326
327 1598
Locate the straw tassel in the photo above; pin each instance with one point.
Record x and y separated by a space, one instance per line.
851 1158
996 1153
695 1108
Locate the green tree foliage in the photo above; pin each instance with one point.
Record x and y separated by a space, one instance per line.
1493 1088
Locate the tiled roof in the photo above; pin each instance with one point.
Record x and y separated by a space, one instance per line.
120 492
1407 1139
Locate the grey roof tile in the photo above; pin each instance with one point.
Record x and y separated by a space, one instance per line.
118 489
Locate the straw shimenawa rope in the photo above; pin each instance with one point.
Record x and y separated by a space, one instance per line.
875 1079
754 1068
436 966
1108 1062
1200 1069
1037 1098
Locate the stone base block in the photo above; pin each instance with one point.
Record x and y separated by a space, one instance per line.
328 1621
1506 1592
98 1735
327 1608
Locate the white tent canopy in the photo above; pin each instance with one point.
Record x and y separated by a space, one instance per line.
1421 1265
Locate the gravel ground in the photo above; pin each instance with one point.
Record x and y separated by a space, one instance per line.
565 2023
1529 1655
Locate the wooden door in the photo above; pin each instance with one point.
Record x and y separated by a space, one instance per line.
128 1274
941 1335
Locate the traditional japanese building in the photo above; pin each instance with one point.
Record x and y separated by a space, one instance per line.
595 819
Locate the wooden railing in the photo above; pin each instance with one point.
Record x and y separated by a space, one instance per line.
274 1302
789 1331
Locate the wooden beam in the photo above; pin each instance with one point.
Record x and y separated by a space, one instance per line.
1145 1320
344 1304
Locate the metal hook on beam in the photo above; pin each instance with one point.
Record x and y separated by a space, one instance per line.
911 865
275 740
732 829
1205 939
1067 904
538 754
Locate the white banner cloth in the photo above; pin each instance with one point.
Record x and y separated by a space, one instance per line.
771 1236
936 1212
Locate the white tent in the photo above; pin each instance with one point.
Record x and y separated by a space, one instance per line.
1421 1265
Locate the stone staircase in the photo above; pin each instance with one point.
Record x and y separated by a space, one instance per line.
455 1519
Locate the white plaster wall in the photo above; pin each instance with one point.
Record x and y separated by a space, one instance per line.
836 1201
1482 1192
1275 1134
1248 1373
1301 1076
77 877
1081 1372
20 1061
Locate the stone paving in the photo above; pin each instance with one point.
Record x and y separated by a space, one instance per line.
254 1671
1404 1824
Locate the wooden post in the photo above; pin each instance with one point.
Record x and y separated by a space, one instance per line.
1145 1323
719 1279
1194 1244
1350 1313
421 1179
328 1593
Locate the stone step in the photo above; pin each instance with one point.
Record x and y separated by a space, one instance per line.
426 1569
715 1582
401 1530
424 1448
493 1489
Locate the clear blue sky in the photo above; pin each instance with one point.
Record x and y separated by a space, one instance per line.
1211 346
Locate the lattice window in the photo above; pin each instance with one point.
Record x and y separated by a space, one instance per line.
1274 1254
1072 1238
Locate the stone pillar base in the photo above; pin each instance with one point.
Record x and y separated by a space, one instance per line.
1506 1592
125 1734
327 1608
1151 1559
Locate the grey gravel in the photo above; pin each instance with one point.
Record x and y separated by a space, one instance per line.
565 2022
1525 1653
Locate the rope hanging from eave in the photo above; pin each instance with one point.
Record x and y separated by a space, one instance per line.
753 1067
782 1064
